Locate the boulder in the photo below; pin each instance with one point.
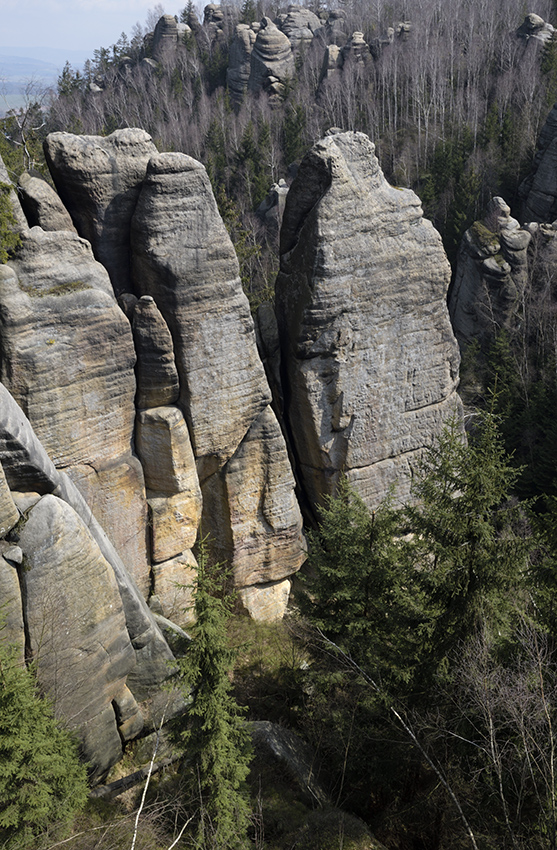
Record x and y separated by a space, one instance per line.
98 179
369 356
267 603
491 276
42 205
163 444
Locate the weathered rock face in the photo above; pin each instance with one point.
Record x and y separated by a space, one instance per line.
490 278
239 61
272 60
85 618
183 257
534 27
41 204
21 221
67 356
165 37
99 179
335 30
76 626
356 50
369 356
299 25
157 377
538 191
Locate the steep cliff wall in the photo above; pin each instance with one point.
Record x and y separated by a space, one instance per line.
127 422
370 362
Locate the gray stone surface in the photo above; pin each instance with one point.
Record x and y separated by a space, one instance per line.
157 377
165 37
184 258
9 514
19 215
272 60
368 351
27 466
491 276
239 61
538 192
299 25
76 626
99 178
42 205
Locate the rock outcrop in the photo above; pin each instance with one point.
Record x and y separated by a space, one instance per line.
86 623
491 276
272 60
299 25
67 356
184 259
99 179
127 424
369 357
41 204
239 61
534 27
538 192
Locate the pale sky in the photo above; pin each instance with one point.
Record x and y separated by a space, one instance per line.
73 24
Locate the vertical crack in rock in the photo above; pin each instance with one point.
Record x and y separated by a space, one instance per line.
184 259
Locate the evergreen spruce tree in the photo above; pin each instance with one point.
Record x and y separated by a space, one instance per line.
41 778
215 739
469 557
358 581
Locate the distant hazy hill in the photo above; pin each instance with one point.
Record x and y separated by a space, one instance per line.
41 65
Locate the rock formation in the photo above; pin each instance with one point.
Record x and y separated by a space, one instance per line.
134 405
67 356
491 275
99 179
538 191
184 259
369 357
535 28
41 204
86 622
165 37
272 60
299 25
239 61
